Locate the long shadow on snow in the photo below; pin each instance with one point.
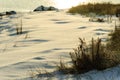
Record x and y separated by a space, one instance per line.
35 40
102 30
7 27
82 27
31 65
4 22
55 20
38 58
55 49
99 33
62 22
13 34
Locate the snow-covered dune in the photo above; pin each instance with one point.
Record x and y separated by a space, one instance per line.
47 37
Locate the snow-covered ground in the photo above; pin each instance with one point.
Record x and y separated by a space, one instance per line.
47 37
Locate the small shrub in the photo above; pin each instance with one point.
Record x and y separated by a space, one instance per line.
90 57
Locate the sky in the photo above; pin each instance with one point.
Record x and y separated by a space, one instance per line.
69 3
113 1
32 4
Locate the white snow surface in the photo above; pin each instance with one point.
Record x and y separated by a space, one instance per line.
47 37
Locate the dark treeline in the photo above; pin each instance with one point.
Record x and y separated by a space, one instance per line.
105 8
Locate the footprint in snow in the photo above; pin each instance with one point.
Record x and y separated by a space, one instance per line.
62 22
38 58
83 27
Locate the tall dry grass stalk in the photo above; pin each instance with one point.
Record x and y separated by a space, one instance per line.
19 27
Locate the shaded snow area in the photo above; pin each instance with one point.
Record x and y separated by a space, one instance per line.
47 37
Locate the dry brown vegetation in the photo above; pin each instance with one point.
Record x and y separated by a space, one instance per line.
114 43
90 57
98 8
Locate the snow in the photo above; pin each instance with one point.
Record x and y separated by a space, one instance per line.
47 37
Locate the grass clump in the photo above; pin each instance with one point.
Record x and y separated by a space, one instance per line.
94 56
114 43
105 8
40 74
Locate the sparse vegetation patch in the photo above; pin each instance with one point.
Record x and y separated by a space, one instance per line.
94 56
